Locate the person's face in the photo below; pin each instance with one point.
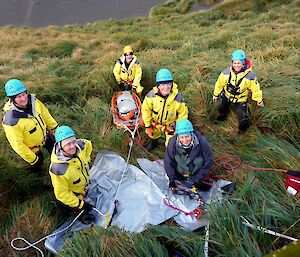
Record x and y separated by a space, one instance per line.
21 100
70 148
165 88
237 65
128 56
185 139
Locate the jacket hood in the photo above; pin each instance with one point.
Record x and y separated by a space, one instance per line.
10 106
57 154
122 59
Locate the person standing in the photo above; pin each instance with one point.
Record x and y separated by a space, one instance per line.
28 124
233 87
162 107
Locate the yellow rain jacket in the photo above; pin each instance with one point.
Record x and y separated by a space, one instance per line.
237 89
70 176
163 111
132 74
25 132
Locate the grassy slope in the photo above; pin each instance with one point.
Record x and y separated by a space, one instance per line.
70 69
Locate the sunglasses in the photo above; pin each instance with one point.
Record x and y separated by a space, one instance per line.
131 53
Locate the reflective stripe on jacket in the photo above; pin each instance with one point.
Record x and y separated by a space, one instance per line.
132 74
26 133
238 94
164 111
70 176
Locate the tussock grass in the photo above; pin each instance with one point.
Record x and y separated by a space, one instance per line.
70 69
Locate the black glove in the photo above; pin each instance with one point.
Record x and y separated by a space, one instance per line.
203 186
121 85
87 207
172 184
49 142
87 218
39 164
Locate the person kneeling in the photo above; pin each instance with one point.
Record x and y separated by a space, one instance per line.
188 157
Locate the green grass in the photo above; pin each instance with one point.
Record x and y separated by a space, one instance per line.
70 69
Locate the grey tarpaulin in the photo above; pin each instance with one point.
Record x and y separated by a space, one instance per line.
140 197
157 173
140 200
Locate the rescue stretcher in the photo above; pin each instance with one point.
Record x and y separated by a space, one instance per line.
126 109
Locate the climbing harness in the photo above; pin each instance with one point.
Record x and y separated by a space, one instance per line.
235 89
267 231
169 129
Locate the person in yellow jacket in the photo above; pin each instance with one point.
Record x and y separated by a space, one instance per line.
233 87
128 71
69 169
162 108
27 124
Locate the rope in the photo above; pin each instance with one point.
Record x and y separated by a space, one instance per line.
196 212
267 231
138 142
231 163
33 245
132 133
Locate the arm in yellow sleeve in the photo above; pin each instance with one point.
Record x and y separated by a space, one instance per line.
183 111
117 71
15 137
88 149
51 123
256 91
220 84
138 75
146 111
62 192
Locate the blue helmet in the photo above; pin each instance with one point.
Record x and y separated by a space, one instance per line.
238 55
184 127
14 87
163 75
63 133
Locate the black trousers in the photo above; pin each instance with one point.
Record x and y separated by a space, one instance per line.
241 109
49 144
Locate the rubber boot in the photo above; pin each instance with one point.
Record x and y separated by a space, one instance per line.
152 144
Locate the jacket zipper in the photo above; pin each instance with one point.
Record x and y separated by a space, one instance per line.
162 113
82 170
40 126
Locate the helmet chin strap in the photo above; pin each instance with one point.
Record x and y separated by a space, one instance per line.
65 153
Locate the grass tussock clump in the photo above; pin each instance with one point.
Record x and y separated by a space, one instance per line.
70 70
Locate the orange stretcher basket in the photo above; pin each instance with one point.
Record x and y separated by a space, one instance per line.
132 118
